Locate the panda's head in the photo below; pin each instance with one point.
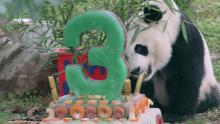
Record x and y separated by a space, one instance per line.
151 34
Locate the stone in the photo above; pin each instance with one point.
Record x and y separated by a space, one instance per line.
22 70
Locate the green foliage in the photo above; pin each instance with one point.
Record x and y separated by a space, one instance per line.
217 68
4 116
12 102
31 7
93 38
54 18
205 14
196 121
184 4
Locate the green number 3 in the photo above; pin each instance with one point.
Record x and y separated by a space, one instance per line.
109 56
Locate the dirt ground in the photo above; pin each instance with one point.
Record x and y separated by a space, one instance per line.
209 117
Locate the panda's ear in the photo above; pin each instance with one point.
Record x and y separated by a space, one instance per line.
152 14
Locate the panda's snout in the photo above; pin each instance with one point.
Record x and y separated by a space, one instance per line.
136 71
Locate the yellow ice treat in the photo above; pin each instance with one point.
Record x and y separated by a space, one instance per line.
127 87
53 88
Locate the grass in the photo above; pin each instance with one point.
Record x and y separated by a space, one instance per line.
13 106
196 121
4 116
206 15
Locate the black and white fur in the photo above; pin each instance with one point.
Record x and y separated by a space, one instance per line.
179 74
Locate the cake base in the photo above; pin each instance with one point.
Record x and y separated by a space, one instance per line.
150 116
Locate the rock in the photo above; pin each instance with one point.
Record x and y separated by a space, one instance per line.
8 49
21 70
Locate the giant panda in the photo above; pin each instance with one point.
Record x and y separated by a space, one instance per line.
178 72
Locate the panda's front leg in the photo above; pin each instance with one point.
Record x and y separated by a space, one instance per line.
183 99
177 93
183 91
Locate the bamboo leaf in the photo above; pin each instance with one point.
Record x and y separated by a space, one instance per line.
145 28
184 31
169 4
134 37
165 25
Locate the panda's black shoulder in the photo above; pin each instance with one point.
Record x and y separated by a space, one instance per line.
189 38
189 42
187 61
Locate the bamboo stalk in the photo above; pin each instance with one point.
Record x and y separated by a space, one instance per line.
139 84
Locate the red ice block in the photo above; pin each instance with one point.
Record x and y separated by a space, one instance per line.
66 58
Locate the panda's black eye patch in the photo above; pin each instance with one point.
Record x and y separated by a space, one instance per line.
152 14
140 49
